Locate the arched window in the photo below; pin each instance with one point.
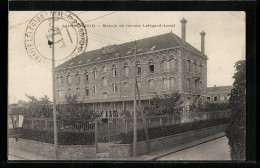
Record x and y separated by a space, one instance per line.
57 81
200 86
95 73
151 65
172 83
94 89
69 92
172 63
200 67
104 79
126 69
77 78
114 70
86 76
164 64
78 91
86 91
196 86
69 78
61 93
114 87
104 68
195 67
61 80
139 69
188 85
188 66
58 94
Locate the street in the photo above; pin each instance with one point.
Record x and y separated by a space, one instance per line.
217 149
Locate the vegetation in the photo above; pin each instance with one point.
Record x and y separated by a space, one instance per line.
157 132
236 129
171 104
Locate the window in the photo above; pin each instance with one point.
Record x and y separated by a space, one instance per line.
104 81
104 69
151 84
104 95
61 93
114 87
165 64
69 92
86 91
126 84
95 73
58 81
94 89
200 67
61 80
189 85
86 76
208 99
139 84
165 84
215 98
126 69
195 67
221 98
114 70
69 79
151 66
77 78
78 91
172 83
188 66
200 86
172 62
139 69
58 94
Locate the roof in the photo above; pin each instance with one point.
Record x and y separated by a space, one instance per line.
219 89
154 43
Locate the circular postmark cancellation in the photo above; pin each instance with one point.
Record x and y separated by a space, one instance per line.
69 41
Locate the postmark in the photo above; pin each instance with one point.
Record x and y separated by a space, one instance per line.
69 41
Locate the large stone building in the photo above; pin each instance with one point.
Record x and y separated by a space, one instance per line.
218 94
104 77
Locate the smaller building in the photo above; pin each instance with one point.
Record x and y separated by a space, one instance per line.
218 93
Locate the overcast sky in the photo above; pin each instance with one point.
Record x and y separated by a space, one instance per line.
224 43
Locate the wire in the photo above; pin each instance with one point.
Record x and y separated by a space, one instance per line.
100 17
105 40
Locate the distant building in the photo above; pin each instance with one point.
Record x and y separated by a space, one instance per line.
104 78
218 93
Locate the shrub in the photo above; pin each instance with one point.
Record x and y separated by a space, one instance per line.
64 138
157 132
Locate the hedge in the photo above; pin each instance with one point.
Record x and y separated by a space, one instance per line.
157 132
64 138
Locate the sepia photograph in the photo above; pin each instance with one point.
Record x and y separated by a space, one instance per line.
127 85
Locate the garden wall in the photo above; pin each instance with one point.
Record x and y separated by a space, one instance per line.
64 152
125 150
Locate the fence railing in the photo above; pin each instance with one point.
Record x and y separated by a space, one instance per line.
111 126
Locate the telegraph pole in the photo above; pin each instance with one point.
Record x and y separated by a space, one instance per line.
135 122
54 93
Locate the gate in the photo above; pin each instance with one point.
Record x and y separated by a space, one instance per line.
106 131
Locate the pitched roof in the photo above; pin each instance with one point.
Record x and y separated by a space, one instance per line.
219 89
158 42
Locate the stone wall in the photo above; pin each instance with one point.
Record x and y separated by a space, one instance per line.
64 152
125 150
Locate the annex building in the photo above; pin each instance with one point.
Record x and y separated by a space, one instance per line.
104 77
218 94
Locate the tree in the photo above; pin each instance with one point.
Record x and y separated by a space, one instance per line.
74 111
171 104
37 108
236 129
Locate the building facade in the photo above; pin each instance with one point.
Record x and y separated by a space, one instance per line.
218 94
104 78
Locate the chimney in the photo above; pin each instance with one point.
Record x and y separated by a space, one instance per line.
203 42
183 29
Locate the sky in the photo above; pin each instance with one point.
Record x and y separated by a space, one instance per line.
224 43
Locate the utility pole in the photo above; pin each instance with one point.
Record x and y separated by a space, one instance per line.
135 122
53 91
